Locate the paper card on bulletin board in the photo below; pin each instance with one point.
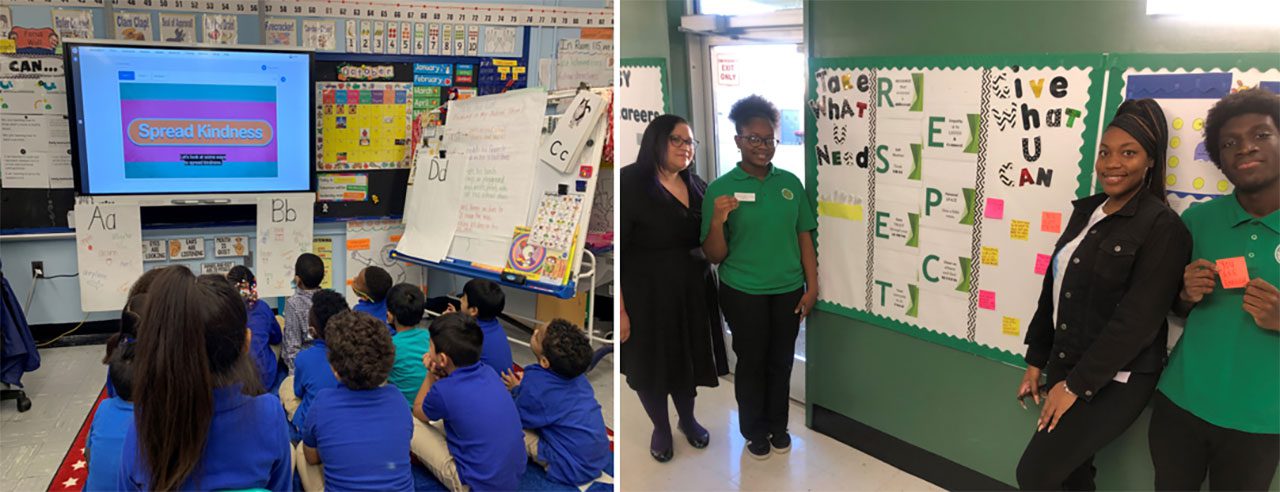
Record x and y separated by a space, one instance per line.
589 61
107 253
284 231
342 187
362 125
323 247
369 243
642 87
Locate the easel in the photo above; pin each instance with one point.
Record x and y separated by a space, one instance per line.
583 269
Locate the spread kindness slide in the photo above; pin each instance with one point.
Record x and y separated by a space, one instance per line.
198 131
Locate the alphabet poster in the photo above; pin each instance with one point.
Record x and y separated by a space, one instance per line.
642 83
942 188
432 205
369 243
362 125
107 253
284 232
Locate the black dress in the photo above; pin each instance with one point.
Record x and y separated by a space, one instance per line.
668 289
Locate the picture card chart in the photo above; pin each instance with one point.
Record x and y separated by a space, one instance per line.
107 253
1185 96
363 125
556 221
284 232
943 188
369 243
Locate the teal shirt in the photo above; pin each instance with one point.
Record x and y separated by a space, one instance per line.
407 373
1223 369
764 251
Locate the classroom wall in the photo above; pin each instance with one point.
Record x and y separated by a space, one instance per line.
952 403
650 29
58 300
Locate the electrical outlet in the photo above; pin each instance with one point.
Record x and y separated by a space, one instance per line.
37 269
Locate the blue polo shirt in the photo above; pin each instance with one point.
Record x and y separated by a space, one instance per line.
266 331
106 440
495 352
565 414
247 447
311 374
481 426
362 437
408 372
375 309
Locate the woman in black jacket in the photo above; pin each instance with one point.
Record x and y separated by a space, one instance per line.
1098 336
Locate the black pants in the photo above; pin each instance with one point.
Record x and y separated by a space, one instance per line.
764 338
1184 447
1063 459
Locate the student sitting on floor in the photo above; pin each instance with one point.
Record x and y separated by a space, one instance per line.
311 372
200 418
129 319
404 312
308 273
484 300
481 445
357 434
263 324
564 429
106 434
371 286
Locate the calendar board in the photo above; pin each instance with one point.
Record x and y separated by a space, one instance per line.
363 125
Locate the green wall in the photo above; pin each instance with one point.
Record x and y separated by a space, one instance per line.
650 29
952 403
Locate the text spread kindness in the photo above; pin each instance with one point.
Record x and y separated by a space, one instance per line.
187 132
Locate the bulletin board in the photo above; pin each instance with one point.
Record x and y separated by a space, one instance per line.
942 183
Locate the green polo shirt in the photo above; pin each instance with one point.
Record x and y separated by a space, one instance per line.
764 255
1223 370
408 372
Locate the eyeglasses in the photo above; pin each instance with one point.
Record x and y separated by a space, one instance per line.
759 141
680 143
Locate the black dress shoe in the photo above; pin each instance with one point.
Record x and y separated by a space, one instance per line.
697 440
661 456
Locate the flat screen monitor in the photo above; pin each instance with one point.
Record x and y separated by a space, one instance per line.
190 120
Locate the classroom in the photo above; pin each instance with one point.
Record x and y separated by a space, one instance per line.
297 244
892 286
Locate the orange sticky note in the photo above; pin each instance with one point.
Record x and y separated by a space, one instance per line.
395 238
1051 222
358 244
1233 272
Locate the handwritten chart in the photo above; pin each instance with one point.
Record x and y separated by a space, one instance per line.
107 253
284 232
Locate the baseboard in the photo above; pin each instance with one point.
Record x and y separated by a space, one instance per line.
903 455
89 333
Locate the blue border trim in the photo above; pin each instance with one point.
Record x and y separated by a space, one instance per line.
464 268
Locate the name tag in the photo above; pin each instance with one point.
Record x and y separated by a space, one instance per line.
745 197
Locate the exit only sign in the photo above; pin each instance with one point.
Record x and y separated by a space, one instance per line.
726 69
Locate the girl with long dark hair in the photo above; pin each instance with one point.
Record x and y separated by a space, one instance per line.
263 324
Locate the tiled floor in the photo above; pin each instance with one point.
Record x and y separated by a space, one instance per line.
816 462
33 443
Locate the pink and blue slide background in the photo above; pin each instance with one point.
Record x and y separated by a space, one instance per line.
195 102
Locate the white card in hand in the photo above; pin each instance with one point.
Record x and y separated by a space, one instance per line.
745 197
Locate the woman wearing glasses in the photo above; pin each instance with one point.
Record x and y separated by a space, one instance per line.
757 223
668 289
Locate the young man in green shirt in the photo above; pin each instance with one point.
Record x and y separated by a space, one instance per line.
1218 406
757 225
405 307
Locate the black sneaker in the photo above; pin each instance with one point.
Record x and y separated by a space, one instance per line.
758 449
781 443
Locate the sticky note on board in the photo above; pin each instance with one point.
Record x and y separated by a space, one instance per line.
358 244
1051 222
1019 229
990 256
1010 326
994 209
1233 272
987 300
1042 263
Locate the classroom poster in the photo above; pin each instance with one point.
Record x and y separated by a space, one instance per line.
6 21
351 38
177 28
320 35
589 61
284 232
342 187
220 28
362 125
941 191
229 246
379 38
35 139
280 31
323 247
107 253
499 40
133 26
73 24
643 93
369 243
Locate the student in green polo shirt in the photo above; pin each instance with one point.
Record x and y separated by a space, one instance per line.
1218 405
757 223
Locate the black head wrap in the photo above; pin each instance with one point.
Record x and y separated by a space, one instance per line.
1144 121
